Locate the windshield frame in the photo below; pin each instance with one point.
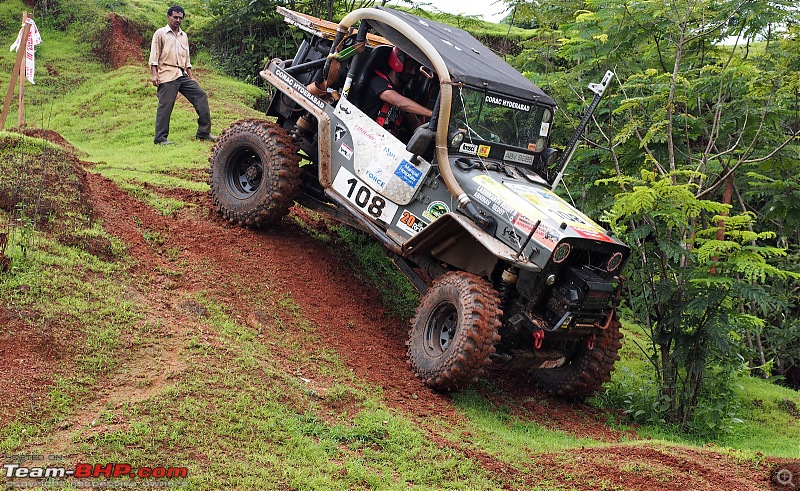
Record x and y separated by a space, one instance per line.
501 120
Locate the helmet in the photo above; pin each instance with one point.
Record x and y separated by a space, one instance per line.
397 59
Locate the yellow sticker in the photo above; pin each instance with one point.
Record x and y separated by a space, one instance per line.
483 150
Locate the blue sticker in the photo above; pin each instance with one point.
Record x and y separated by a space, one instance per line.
408 173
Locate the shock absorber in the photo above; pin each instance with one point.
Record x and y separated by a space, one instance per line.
304 125
507 287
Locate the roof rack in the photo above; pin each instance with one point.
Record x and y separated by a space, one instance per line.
320 27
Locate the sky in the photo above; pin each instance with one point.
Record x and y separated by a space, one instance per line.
490 10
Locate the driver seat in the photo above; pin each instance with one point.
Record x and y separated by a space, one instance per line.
378 57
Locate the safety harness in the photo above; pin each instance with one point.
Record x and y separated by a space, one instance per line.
391 120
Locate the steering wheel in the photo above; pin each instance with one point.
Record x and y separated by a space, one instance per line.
463 124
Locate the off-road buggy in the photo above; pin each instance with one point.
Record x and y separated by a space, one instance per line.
508 271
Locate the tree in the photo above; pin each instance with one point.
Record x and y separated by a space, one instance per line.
697 120
245 33
687 283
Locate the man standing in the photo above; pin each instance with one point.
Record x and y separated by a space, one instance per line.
171 72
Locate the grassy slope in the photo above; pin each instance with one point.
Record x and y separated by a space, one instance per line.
235 414
765 426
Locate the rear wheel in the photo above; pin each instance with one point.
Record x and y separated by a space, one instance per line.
254 173
587 370
454 331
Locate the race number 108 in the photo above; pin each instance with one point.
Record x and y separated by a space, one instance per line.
365 198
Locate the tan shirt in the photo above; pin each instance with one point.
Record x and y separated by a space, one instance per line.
170 53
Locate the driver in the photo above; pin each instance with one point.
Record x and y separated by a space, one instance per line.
383 101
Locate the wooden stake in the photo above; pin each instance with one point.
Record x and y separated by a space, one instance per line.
26 28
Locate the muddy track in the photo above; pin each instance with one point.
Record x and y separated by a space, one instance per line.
348 315
349 318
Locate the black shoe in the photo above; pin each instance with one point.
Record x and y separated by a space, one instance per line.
163 142
206 136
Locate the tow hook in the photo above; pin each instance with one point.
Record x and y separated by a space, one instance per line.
538 337
590 342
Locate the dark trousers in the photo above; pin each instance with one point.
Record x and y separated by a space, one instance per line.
191 90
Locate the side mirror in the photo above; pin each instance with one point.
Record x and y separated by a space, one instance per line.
421 141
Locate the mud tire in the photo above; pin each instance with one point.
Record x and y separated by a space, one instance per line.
587 371
454 331
254 173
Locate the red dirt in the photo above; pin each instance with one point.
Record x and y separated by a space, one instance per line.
657 468
49 135
373 345
120 43
26 361
366 337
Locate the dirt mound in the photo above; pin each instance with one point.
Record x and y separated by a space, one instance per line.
49 135
42 189
45 189
120 43
40 185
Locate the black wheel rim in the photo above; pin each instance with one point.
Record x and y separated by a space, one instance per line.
441 329
244 173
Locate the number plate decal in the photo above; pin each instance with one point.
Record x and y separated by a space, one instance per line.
363 197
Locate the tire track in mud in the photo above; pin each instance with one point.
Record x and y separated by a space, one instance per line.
348 316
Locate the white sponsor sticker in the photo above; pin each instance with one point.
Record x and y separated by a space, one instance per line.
469 148
360 194
346 151
410 223
544 129
377 177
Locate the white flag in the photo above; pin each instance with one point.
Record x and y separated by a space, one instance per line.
33 39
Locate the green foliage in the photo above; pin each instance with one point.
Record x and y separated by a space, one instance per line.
244 34
778 198
688 283
699 115
647 403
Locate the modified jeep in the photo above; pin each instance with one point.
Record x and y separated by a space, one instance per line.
464 204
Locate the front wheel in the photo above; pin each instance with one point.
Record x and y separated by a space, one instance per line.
254 173
588 368
455 331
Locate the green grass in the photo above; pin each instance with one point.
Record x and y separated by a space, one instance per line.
766 426
307 424
75 300
509 436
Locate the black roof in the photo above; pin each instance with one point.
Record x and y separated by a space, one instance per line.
467 60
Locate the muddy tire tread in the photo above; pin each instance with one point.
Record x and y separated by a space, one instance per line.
588 371
469 355
281 173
